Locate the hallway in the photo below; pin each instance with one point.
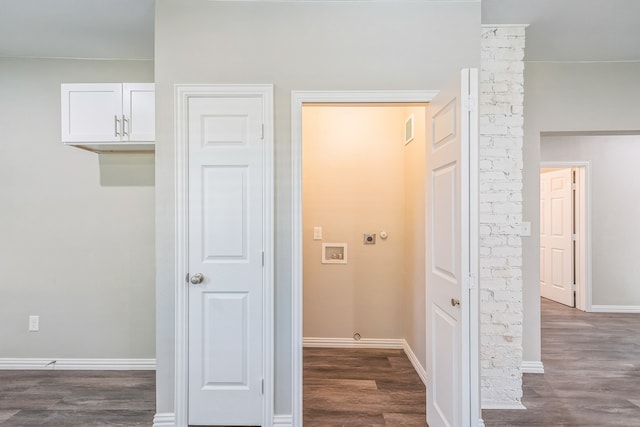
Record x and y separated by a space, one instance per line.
592 372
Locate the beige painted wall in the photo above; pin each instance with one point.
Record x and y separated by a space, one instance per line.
77 229
353 183
560 97
414 242
295 46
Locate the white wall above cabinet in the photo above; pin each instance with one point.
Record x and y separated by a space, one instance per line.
106 117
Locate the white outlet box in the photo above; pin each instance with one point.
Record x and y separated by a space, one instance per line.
317 233
34 323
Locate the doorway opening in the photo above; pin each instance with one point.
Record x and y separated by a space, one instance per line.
451 259
363 246
300 98
564 234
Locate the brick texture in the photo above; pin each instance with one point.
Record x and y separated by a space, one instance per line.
501 137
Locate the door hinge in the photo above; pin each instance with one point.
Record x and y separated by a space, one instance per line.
262 131
574 187
470 103
472 282
573 287
574 237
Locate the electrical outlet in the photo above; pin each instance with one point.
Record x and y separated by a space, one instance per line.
317 233
525 229
34 323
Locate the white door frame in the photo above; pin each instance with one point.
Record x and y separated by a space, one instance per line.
582 214
182 93
297 99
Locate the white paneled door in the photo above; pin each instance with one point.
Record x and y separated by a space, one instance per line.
556 236
450 159
225 244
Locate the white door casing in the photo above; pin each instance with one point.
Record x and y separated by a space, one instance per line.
224 231
298 98
449 213
471 401
556 230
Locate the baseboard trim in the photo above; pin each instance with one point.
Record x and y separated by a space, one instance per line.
481 423
283 420
631 309
422 373
351 343
502 405
532 367
78 364
167 419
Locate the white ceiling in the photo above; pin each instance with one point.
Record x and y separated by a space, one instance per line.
560 30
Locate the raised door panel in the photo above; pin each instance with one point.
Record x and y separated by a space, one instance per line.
225 347
545 228
444 231
446 393
91 112
224 213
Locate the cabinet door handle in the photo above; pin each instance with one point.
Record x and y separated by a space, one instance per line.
124 126
116 126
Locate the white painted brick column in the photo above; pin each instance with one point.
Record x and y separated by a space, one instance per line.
501 137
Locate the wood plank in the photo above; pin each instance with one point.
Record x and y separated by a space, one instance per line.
592 372
361 387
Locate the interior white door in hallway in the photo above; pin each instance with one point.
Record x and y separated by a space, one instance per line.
225 257
451 252
556 236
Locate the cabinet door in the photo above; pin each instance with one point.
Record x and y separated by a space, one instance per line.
138 108
91 112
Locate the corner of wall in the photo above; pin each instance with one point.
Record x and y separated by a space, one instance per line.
501 164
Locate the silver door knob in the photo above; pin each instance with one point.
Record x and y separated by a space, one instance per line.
196 279
454 301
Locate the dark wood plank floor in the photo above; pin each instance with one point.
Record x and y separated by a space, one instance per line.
77 398
361 387
592 372
592 378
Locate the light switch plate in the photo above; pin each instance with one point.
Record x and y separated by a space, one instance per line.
525 229
317 233
34 323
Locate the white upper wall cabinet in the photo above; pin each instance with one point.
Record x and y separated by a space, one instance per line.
106 117
138 109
